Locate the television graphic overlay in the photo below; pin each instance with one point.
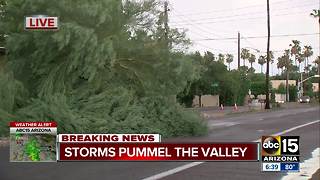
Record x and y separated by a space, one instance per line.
33 141
148 147
41 22
39 142
100 151
280 153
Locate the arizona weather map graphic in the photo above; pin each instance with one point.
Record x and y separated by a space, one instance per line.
32 142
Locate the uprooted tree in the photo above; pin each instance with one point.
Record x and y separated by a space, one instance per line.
111 67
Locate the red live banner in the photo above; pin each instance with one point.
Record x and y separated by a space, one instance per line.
158 152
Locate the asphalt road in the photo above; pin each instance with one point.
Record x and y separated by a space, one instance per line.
235 128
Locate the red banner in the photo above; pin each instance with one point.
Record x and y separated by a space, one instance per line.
33 124
159 151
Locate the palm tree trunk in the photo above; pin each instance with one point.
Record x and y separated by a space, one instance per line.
319 63
305 62
287 85
268 58
300 79
307 66
319 73
229 66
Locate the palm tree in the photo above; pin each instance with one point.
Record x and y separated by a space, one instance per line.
280 64
209 56
284 62
317 63
262 61
307 52
252 59
221 58
300 58
229 59
316 14
295 49
271 56
288 65
245 54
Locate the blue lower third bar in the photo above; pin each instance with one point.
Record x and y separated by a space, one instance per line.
290 166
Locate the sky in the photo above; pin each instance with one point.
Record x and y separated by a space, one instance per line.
221 20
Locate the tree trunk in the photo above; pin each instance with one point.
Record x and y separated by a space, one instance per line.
268 59
261 68
287 86
300 86
319 75
307 66
305 62
200 103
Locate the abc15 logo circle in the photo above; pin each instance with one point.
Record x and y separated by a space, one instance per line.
279 145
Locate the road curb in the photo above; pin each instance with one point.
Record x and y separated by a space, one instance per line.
4 142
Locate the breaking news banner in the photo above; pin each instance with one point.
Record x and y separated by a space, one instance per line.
39 142
33 141
104 138
158 152
280 153
41 22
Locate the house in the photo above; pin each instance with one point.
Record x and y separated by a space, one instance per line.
206 101
281 98
276 83
315 87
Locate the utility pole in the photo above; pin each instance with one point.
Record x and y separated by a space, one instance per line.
319 63
268 59
166 38
166 26
238 50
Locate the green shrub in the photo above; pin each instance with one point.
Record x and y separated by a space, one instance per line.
123 115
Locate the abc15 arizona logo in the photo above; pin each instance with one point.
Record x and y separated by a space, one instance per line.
280 146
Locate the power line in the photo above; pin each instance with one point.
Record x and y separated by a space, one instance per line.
241 19
213 49
251 44
198 33
256 37
201 30
243 14
199 27
235 9
196 27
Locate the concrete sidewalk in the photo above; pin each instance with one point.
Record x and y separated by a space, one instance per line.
217 112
